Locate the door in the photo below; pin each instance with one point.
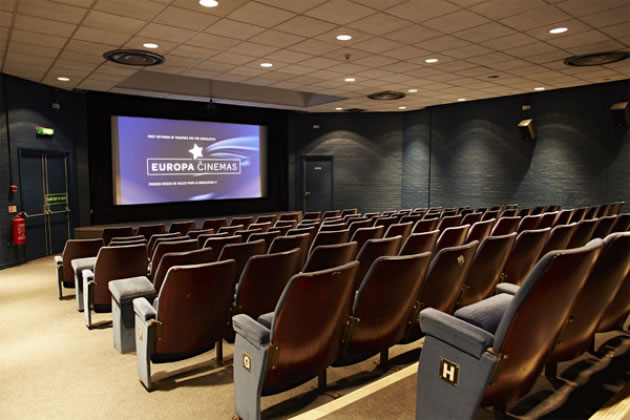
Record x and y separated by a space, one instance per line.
44 194
318 183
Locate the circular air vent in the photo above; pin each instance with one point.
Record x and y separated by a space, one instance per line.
387 95
134 57
597 59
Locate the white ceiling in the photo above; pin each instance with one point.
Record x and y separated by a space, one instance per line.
41 40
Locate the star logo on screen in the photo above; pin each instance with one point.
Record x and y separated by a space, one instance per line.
196 152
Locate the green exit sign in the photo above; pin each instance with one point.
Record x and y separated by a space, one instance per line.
58 198
45 131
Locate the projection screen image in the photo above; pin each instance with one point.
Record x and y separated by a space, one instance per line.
161 160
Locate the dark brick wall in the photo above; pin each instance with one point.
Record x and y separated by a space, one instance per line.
367 150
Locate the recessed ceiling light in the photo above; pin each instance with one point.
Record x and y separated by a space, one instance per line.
431 60
461 99
209 3
63 79
558 30
344 37
539 88
150 45
339 108
349 79
402 107
266 65
493 76
412 90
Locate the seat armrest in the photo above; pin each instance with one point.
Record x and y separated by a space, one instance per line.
143 309
251 330
126 290
266 319
87 275
486 314
58 260
508 288
456 332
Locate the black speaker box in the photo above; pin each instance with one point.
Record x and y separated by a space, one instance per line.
527 129
620 113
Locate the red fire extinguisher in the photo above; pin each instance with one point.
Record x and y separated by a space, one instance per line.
19 229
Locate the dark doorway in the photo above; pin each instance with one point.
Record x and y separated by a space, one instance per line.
44 194
318 182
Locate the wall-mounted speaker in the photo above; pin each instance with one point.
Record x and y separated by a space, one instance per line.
527 129
620 113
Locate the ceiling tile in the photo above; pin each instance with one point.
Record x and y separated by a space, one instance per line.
234 29
443 43
406 53
401 67
252 49
201 74
331 36
43 26
375 61
139 9
510 64
223 9
230 58
454 65
608 45
377 45
374 73
34 38
413 34
485 32
5 19
305 26
422 10
574 26
397 78
500 9
580 39
319 63
315 47
292 5
227 77
80 3
288 56
167 33
489 59
193 52
609 17
621 30
110 22
298 69
51 11
8 5
535 18
456 21
588 7
277 38
260 14
346 54
213 66
13 57
32 50
212 41
334 76
379 24
339 12
510 41
183 18
85 33
139 41
88 48
530 50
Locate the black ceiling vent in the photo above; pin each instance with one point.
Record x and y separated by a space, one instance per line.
134 57
386 95
596 59
354 110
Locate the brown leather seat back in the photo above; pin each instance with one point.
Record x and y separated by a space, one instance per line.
530 222
182 227
327 256
506 225
267 218
413 218
263 280
230 230
332 226
384 301
548 219
471 218
361 235
559 238
149 230
553 207
194 307
241 253
357 224
330 238
618 309
486 267
524 254
172 246
371 250
242 220
202 238
214 224
535 318
346 212
490 214
308 325
578 214
77 248
604 227
290 216
417 243
311 215
194 234
426 224
117 262
263 226
287 243
245 234
453 236
399 229
508 213
330 213
164 240
291 224
157 236
537 210
480 230
564 217
385 221
268 237
583 233
524 212
170 259
601 287
622 224
591 212
449 221
109 233
615 208
127 240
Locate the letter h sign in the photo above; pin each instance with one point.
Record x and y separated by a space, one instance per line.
449 371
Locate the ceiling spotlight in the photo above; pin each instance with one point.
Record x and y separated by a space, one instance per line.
558 30
339 108
349 79
63 79
402 107
344 37
431 60
412 90
266 65
461 99
150 45
539 88
209 3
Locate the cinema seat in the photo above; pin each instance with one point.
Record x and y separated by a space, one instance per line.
490 214
330 213
205 236
128 240
329 238
188 317
426 225
245 221
268 237
156 237
294 215
287 243
417 243
214 224
109 233
530 222
245 234
324 257
508 213
471 218
505 225
548 219
578 214
453 236
622 224
583 233
564 217
74 249
524 212
599 290
241 253
182 227
357 224
346 212
171 246
449 221
291 224
262 226
194 234
311 215
442 285
331 227
480 230
491 353
524 254
486 267
618 309
559 238
591 212
615 208
267 218
217 243
361 235
230 230
296 342
382 306
149 230
385 221
399 229
312 231
371 250
112 263
604 226
413 218
124 291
